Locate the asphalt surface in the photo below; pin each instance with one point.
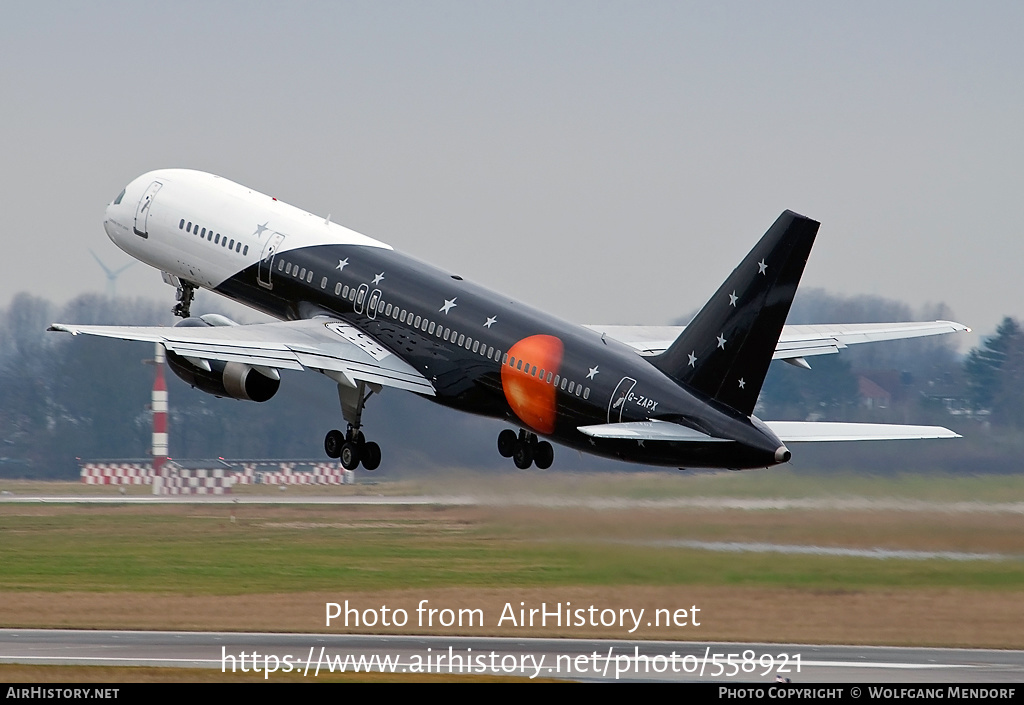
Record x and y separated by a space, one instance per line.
573 659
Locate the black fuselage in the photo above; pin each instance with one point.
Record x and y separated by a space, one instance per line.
487 354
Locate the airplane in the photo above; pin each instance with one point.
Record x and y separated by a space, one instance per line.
368 317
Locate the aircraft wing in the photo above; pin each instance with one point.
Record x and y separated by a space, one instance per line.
796 341
322 344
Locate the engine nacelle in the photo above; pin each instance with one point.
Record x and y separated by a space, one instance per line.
222 379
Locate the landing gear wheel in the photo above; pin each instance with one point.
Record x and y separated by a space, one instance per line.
186 292
522 456
350 456
506 443
333 443
371 456
543 455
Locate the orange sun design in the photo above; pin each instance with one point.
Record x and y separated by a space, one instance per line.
531 398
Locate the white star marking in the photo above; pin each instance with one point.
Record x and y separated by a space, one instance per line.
342 263
490 321
733 298
377 278
640 443
260 229
448 305
593 372
693 359
743 384
592 441
721 341
761 267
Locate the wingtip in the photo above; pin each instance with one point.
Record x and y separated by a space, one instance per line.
957 327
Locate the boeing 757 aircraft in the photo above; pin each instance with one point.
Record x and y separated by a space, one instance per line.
368 317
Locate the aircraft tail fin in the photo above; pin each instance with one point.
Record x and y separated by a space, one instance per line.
724 352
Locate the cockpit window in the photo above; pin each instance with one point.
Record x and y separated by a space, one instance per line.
117 200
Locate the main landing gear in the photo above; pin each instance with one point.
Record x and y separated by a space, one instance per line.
352 446
525 449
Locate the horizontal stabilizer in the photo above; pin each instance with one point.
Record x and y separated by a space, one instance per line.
649 431
807 431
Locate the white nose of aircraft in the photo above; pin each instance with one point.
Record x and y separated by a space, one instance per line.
110 213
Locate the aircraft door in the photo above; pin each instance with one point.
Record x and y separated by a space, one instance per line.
361 298
270 249
142 212
619 397
371 307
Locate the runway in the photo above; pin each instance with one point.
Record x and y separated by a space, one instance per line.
544 501
314 655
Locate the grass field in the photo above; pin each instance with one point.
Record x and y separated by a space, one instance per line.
274 567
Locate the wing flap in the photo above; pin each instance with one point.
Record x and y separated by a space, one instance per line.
818 431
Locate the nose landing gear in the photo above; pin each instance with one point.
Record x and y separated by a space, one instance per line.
525 449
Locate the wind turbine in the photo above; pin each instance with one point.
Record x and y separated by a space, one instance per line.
112 275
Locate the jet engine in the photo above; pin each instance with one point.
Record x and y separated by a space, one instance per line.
223 379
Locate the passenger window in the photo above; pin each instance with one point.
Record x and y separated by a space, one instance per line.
586 393
519 365
302 273
323 283
337 289
245 250
344 292
361 294
203 232
462 339
533 371
476 346
387 311
351 294
571 385
432 326
280 265
417 323
181 225
231 244
309 277
288 268
190 226
548 380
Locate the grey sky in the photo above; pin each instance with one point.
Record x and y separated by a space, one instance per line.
610 162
